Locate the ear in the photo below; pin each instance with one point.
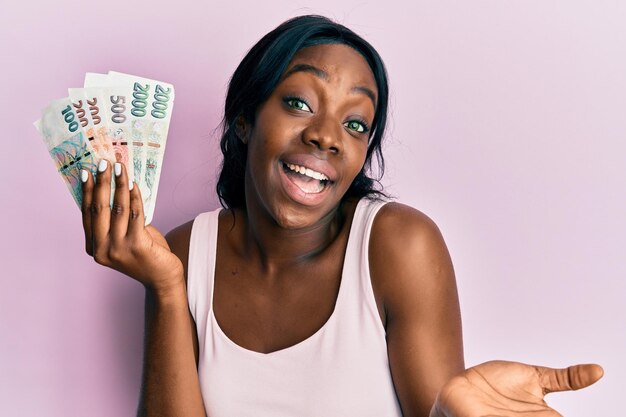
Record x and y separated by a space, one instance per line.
242 129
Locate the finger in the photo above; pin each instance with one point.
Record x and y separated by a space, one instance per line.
121 204
87 189
101 206
568 379
136 221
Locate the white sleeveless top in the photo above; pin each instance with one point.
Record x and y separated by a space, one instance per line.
341 370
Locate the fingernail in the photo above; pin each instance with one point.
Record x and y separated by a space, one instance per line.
83 175
131 185
102 166
118 169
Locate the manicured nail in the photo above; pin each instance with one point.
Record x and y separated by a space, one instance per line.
84 175
131 185
102 166
118 169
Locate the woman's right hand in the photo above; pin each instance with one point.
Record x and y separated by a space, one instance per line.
117 237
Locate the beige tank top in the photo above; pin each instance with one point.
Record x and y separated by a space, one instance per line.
341 370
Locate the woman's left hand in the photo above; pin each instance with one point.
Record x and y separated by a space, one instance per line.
504 389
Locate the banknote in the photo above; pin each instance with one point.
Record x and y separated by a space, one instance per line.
87 105
69 148
117 115
150 115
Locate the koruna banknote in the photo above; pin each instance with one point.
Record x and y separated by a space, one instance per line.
69 148
87 105
116 109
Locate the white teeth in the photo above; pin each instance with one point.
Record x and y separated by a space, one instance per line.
307 171
310 173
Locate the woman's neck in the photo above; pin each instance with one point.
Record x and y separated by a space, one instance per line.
273 247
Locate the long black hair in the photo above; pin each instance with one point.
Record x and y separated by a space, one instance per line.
256 78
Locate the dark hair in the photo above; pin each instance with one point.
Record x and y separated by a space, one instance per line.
256 78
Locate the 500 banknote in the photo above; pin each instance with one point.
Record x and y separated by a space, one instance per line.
116 112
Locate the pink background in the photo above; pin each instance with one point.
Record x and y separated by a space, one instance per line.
509 130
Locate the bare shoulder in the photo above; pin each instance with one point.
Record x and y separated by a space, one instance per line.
178 240
408 257
403 231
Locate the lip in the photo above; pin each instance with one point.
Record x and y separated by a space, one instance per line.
309 161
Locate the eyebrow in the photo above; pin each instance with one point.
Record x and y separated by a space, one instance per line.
320 73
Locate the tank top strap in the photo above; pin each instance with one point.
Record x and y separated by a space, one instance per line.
201 265
356 272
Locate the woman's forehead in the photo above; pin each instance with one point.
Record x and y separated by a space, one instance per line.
326 60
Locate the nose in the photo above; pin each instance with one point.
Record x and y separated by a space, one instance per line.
324 133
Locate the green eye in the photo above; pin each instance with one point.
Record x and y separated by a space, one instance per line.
356 126
296 103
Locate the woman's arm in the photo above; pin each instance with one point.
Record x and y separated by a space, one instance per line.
170 381
170 378
117 238
412 270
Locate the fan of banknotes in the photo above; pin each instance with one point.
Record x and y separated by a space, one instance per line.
118 117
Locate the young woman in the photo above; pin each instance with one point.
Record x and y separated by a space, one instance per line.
309 294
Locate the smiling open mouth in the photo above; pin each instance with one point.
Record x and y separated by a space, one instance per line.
309 181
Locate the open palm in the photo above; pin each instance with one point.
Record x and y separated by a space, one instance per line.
506 389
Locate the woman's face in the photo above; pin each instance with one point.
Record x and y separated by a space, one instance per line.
309 139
